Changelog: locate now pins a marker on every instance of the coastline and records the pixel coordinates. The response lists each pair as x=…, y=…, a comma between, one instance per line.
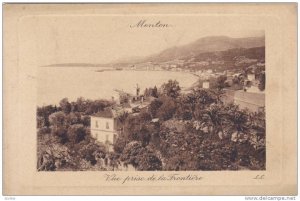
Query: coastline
x=101, y=85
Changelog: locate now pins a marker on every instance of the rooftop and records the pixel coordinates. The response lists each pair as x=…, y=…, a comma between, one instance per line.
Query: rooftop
x=106, y=113
x=254, y=98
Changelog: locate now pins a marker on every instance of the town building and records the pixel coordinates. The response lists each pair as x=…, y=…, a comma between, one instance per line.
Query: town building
x=251, y=84
x=205, y=85
x=209, y=71
x=203, y=63
x=254, y=102
x=251, y=76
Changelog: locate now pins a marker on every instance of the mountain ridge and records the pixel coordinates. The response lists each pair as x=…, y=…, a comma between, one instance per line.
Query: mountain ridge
x=197, y=47
x=206, y=44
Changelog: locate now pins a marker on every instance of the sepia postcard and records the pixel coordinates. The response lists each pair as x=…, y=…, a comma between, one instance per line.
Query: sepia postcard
x=150, y=99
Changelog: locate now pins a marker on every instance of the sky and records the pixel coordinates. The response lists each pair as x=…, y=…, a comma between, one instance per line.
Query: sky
x=104, y=39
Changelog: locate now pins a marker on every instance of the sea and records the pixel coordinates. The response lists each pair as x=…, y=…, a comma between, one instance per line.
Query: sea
x=56, y=83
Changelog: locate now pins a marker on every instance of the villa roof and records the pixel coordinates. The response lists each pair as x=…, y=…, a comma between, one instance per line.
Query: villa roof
x=106, y=113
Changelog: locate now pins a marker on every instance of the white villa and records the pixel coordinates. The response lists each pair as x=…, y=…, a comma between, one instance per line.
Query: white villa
x=104, y=127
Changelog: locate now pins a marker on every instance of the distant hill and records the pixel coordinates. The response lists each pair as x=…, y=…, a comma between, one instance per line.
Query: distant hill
x=230, y=55
x=201, y=49
x=206, y=44
x=238, y=58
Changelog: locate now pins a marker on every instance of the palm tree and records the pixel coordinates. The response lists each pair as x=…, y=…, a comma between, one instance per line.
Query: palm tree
x=121, y=118
x=214, y=118
x=237, y=121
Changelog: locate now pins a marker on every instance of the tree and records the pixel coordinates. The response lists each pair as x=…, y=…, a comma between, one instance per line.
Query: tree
x=171, y=89
x=65, y=106
x=142, y=158
x=57, y=119
x=262, y=81
x=144, y=117
x=61, y=133
x=76, y=133
x=43, y=115
x=122, y=118
x=148, y=160
x=214, y=117
x=144, y=136
x=86, y=120
x=153, y=107
x=73, y=118
x=184, y=109
x=131, y=152
x=193, y=104
x=81, y=104
x=131, y=128
x=120, y=144
x=40, y=122
x=146, y=92
x=220, y=83
x=203, y=96
x=167, y=109
x=180, y=148
x=89, y=150
x=96, y=106
x=237, y=121
x=58, y=126
x=154, y=92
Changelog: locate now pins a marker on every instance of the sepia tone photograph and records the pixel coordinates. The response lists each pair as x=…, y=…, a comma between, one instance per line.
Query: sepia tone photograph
x=163, y=102
x=150, y=99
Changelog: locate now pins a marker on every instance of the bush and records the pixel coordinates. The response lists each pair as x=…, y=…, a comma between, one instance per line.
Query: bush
x=44, y=130
x=76, y=133
x=167, y=109
x=142, y=158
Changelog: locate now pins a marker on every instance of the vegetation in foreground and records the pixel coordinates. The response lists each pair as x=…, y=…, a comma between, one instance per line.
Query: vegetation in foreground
x=177, y=131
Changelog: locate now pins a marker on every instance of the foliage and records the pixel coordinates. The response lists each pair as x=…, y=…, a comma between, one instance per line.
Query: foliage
x=43, y=115
x=44, y=130
x=262, y=81
x=171, y=88
x=142, y=158
x=76, y=133
x=221, y=82
x=64, y=141
x=153, y=107
x=65, y=106
x=167, y=109
x=192, y=131
x=151, y=92
x=120, y=144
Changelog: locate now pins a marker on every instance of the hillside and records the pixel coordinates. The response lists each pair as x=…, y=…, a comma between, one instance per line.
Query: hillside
x=203, y=49
x=207, y=44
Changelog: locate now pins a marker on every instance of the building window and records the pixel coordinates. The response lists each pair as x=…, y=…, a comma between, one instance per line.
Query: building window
x=107, y=125
x=97, y=136
x=106, y=137
x=97, y=126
